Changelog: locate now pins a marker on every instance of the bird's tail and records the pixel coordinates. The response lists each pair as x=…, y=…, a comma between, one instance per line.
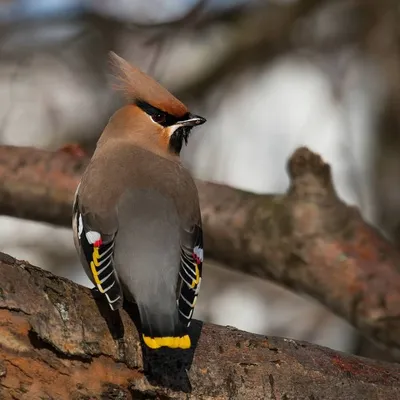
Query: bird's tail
x=163, y=330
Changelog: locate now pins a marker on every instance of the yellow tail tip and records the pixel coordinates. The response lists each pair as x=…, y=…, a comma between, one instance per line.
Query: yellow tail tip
x=182, y=342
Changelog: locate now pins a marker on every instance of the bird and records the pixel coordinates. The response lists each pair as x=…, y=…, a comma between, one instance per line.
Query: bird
x=136, y=217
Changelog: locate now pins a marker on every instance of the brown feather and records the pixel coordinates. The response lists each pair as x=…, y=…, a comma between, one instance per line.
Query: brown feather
x=136, y=85
x=131, y=124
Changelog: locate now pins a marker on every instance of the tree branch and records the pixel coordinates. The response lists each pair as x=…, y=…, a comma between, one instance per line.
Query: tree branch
x=55, y=343
x=307, y=240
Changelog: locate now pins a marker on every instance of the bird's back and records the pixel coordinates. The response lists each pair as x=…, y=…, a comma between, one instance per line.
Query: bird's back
x=136, y=170
x=147, y=249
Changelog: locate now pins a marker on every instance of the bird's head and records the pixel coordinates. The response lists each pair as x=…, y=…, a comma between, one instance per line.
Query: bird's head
x=153, y=118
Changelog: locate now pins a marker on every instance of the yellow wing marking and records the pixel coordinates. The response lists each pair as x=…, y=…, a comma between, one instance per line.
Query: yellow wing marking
x=96, y=255
x=93, y=265
x=197, y=280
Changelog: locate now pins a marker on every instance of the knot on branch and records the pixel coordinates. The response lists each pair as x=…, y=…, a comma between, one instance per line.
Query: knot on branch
x=310, y=176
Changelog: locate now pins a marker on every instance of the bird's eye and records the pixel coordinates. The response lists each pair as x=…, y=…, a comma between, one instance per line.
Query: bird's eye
x=159, y=118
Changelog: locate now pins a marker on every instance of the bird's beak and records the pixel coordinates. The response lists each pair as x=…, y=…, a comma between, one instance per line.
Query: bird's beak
x=192, y=120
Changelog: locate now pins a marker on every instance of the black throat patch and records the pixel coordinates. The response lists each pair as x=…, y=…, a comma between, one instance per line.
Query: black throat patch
x=177, y=138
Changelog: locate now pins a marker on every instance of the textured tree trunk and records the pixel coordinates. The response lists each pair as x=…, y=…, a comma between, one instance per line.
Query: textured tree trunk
x=56, y=344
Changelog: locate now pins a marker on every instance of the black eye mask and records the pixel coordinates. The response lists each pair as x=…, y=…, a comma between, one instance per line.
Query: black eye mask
x=164, y=119
x=160, y=117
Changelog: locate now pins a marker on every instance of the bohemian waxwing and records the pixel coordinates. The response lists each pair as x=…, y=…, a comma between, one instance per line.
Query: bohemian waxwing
x=136, y=217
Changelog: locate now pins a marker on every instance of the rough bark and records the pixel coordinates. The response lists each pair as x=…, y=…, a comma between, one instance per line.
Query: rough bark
x=55, y=344
x=307, y=239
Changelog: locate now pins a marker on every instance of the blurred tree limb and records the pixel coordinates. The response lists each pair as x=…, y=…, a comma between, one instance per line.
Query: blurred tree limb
x=55, y=343
x=307, y=239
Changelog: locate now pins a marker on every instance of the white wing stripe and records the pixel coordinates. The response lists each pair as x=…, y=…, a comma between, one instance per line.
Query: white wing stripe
x=103, y=280
x=107, y=289
x=187, y=283
x=103, y=254
x=105, y=259
x=112, y=301
x=190, y=268
x=185, y=300
x=186, y=316
x=104, y=268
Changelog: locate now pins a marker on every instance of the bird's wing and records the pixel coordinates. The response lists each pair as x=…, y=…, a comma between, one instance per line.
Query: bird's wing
x=190, y=272
x=96, y=250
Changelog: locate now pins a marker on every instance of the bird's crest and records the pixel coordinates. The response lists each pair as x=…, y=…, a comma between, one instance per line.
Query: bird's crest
x=136, y=85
